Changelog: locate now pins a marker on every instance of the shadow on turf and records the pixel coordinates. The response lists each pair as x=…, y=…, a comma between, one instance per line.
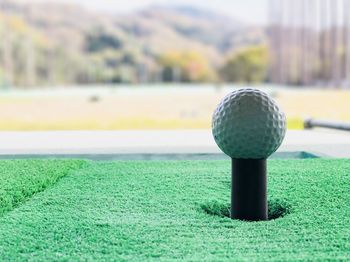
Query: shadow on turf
x=277, y=209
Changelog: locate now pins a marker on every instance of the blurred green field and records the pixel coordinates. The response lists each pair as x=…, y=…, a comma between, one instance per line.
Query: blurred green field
x=120, y=124
x=151, y=108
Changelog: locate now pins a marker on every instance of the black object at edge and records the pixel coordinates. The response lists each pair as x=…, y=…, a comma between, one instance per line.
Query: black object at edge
x=311, y=123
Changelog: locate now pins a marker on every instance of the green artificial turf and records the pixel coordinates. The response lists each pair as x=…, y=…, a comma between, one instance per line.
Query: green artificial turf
x=20, y=179
x=168, y=210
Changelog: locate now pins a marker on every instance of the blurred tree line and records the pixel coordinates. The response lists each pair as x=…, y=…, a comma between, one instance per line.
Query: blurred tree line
x=30, y=58
x=248, y=65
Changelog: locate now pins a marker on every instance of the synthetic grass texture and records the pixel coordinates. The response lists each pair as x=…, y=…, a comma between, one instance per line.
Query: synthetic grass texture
x=20, y=179
x=175, y=210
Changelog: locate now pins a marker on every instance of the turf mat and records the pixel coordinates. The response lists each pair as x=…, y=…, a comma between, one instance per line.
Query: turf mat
x=20, y=179
x=158, y=210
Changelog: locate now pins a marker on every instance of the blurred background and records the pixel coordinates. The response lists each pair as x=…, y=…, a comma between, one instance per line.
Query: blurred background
x=161, y=64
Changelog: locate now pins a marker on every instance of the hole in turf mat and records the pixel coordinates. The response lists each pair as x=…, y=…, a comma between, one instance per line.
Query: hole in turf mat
x=276, y=209
x=216, y=209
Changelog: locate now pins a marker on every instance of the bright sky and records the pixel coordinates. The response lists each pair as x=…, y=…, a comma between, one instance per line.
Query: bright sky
x=251, y=11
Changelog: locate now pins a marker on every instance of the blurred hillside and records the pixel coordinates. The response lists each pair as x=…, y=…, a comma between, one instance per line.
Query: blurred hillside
x=60, y=44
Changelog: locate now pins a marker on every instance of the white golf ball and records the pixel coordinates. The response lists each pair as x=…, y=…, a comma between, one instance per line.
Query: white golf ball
x=248, y=124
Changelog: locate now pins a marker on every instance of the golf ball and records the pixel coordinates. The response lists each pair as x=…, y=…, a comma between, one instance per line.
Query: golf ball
x=248, y=124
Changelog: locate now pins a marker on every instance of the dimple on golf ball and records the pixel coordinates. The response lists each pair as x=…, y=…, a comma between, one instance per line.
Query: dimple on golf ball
x=248, y=124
